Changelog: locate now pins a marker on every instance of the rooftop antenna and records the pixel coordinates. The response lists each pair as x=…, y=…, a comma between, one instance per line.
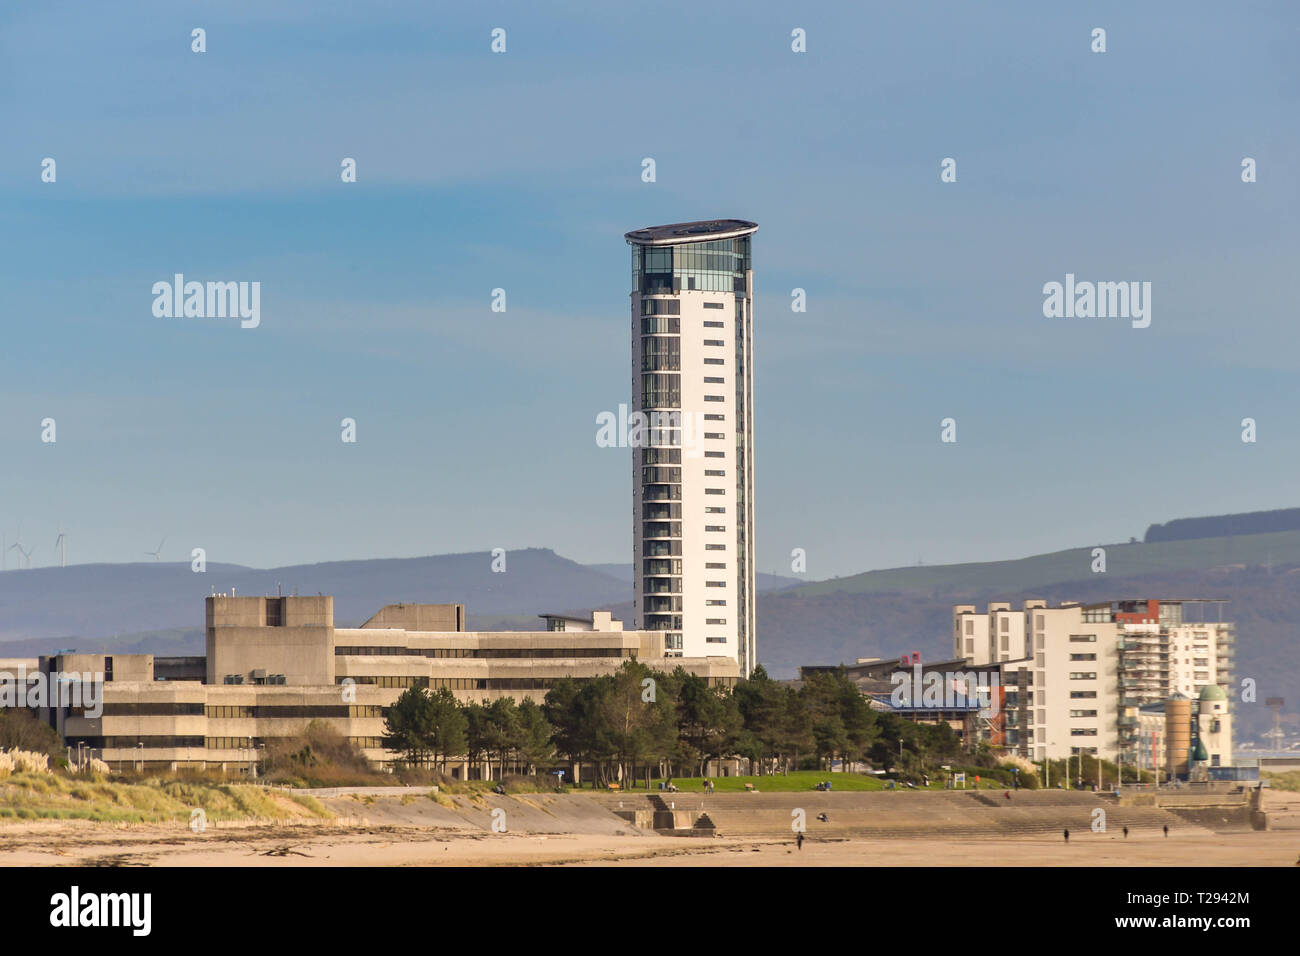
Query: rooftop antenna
x=61, y=544
x=157, y=555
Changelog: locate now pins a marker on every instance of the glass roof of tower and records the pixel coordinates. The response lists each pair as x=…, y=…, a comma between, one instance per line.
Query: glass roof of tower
x=701, y=231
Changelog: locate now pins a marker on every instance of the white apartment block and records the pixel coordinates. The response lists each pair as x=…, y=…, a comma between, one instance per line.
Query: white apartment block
x=1076, y=674
x=692, y=360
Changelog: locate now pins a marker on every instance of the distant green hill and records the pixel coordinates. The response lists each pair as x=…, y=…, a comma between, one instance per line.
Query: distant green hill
x=1059, y=567
x=1222, y=526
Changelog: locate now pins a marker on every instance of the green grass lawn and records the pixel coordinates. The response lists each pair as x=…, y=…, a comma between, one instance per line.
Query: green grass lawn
x=785, y=783
x=807, y=779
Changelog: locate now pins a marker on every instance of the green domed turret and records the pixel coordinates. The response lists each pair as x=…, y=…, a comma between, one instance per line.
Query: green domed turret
x=1213, y=692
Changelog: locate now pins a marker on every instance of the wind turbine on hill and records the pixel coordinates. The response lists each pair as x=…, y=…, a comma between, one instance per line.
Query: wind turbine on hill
x=28, y=554
x=61, y=545
x=18, y=546
x=157, y=555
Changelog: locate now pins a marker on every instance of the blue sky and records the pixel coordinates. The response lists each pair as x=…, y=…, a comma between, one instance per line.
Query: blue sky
x=522, y=171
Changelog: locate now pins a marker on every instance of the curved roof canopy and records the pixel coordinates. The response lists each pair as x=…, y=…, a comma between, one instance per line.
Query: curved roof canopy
x=702, y=231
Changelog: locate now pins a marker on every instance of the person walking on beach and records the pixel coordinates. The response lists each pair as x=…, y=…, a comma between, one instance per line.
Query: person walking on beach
x=798, y=839
x=1067, y=836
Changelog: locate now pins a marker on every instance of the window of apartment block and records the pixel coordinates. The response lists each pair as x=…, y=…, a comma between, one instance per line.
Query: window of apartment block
x=970, y=626
x=1006, y=642
x=1006, y=624
x=1083, y=638
x=970, y=647
x=1041, y=641
x=1083, y=657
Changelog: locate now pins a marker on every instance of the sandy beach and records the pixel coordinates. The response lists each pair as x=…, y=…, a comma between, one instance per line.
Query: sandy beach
x=82, y=844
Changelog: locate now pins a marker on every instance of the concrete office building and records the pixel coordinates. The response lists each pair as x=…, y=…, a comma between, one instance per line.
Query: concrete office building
x=273, y=664
x=692, y=365
x=1078, y=675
